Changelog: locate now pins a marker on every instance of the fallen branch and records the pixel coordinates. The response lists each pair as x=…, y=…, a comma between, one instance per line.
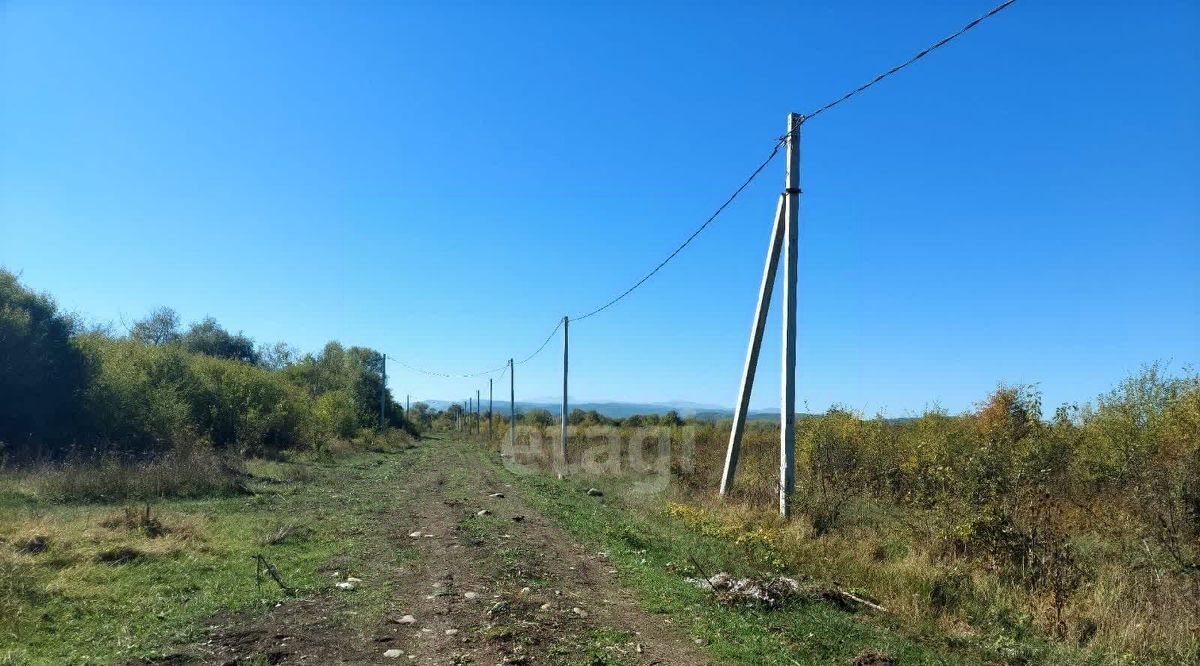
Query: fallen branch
x=702, y=572
x=868, y=604
x=261, y=565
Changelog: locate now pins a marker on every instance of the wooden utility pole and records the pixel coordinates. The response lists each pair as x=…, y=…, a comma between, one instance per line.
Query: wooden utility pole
x=785, y=242
x=512, y=408
x=477, y=419
x=562, y=445
x=491, y=416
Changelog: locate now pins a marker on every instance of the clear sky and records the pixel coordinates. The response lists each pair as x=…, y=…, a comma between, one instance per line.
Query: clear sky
x=444, y=180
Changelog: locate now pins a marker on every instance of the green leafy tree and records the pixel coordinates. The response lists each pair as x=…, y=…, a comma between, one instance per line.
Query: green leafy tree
x=211, y=339
x=160, y=327
x=42, y=374
x=277, y=356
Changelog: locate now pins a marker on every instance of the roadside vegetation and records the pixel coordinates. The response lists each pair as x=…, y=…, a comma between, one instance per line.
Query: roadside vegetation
x=73, y=392
x=142, y=472
x=1069, y=540
x=124, y=581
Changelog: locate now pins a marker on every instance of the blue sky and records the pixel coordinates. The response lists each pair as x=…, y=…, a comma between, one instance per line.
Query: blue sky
x=445, y=180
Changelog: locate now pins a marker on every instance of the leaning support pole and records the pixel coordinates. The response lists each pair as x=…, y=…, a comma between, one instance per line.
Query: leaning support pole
x=756, y=335
x=787, y=406
x=562, y=445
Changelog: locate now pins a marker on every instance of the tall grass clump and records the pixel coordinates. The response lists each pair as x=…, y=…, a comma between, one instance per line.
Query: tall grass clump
x=193, y=471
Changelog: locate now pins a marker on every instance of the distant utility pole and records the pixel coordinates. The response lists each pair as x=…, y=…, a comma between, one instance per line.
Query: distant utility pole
x=785, y=241
x=383, y=392
x=562, y=446
x=512, y=408
x=491, y=418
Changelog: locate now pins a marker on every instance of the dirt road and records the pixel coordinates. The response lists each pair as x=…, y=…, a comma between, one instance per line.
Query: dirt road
x=482, y=576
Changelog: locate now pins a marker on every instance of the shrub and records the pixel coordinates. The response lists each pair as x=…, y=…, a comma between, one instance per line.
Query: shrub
x=245, y=405
x=42, y=374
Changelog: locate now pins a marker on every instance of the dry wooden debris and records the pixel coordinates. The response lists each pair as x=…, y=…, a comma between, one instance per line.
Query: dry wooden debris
x=775, y=592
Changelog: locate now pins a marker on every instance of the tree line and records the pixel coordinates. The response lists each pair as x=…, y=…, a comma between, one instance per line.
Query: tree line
x=66, y=387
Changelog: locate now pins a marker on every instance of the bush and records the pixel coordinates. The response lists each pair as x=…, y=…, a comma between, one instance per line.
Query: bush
x=42, y=374
x=248, y=406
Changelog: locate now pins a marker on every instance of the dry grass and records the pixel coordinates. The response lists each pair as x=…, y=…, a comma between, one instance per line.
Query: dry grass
x=1132, y=606
x=286, y=533
x=189, y=472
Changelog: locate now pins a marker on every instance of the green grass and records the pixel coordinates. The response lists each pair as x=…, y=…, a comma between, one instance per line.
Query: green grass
x=603, y=648
x=63, y=605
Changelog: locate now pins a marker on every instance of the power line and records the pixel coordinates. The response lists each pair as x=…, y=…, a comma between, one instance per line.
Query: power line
x=702, y=227
x=754, y=174
x=937, y=45
x=780, y=141
x=467, y=375
x=448, y=375
x=539, y=349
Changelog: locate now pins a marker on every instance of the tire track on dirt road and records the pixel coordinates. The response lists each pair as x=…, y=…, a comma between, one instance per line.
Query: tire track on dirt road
x=501, y=583
x=474, y=575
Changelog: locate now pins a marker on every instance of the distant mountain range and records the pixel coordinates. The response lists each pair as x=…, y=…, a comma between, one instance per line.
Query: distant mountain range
x=620, y=410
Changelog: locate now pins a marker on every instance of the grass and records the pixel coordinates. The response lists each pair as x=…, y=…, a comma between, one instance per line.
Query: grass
x=104, y=581
x=195, y=471
x=108, y=582
x=1128, y=605
x=655, y=545
x=604, y=647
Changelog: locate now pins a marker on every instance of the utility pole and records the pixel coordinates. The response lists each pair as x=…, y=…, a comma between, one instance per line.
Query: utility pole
x=470, y=415
x=791, y=254
x=477, y=419
x=512, y=408
x=785, y=242
x=562, y=446
x=382, y=391
x=491, y=417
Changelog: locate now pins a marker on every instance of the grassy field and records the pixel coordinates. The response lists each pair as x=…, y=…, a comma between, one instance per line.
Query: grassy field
x=97, y=582
x=657, y=545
